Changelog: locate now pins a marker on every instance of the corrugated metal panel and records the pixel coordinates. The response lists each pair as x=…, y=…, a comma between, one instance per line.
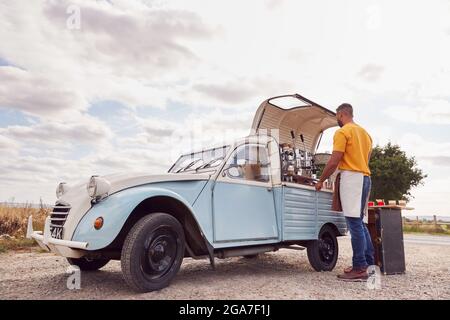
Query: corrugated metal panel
x=306, y=211
x=299, y=214
x=326, y=215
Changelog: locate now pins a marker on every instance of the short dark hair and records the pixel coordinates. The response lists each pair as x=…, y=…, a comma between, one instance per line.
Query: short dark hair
x=346, y=108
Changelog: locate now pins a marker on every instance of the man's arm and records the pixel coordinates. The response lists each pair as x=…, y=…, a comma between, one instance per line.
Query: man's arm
x=331, y=167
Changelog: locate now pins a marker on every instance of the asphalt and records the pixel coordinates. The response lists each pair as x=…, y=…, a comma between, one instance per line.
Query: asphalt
x=427, y=239
x=423, y=239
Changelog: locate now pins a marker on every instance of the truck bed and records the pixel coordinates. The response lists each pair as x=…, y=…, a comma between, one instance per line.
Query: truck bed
x=305, y=211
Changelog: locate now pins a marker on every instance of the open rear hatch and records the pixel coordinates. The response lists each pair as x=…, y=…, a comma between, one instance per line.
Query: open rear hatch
x=293, y=114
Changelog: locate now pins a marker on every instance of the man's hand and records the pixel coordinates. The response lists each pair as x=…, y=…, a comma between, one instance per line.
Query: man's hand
x=319, y=186
x=331, y=167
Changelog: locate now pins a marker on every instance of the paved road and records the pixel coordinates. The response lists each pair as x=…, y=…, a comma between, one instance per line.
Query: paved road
x=423, y=239
x=427, y=239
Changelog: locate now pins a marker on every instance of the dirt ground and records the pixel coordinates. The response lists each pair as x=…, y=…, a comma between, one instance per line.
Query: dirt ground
x=285, y=274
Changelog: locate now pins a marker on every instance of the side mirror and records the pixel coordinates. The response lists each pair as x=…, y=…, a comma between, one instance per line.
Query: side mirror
x=233, y=172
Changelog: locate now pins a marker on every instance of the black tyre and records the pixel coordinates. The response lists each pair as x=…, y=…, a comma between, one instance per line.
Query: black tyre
x=153, y=252
x=87, y=264
x=323, y=253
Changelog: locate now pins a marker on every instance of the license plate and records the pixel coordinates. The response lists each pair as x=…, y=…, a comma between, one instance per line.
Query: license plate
x=56, y=232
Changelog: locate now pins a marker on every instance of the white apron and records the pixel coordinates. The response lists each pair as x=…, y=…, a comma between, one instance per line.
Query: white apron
x=350, y=190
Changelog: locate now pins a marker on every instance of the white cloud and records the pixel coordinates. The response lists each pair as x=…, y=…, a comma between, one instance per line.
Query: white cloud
x=427, y=111
x=371, y=72
x=431, y=198
x=440, y=161
x=201, y=129
x=418, y=146
x=156, y=129
x=63, y=133
x=228, y=92
x=144, y=36
x=37, y=95
x=7, y=144
x=118, y=54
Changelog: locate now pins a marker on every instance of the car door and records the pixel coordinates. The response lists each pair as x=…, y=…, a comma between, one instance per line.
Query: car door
x=243, y=200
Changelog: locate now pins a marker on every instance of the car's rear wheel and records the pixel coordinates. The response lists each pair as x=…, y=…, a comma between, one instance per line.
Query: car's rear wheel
x=86, y=264
x=153, y=252
x=323, y=253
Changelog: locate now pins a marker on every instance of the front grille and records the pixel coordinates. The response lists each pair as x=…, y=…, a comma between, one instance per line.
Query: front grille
x=59, y=215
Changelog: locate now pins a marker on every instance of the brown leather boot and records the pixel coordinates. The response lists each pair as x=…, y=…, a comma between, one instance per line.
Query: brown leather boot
x=354, y=275
x=350, y=268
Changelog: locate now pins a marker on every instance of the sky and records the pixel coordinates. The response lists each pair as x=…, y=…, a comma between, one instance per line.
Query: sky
x=98, y=87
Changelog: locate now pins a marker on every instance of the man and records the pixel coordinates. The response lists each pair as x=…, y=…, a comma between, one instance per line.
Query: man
x=352, y=147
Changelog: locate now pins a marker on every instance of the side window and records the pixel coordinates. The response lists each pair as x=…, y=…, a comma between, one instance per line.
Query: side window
x=249, y=162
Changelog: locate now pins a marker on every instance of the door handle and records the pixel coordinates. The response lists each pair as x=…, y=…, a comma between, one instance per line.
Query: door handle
x=269, y=189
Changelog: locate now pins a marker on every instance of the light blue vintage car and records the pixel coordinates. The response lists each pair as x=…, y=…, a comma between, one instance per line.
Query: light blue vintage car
x=253, y=196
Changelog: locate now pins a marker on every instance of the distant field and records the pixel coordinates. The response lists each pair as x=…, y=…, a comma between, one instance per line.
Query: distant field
x=428, y=228
x=13, y=225
x=412, y=217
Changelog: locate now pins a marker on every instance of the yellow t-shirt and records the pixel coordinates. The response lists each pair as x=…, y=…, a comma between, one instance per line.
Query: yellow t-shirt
x=356, y=144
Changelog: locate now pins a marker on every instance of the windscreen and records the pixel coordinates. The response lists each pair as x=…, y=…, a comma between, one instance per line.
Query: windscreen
x=202, y=160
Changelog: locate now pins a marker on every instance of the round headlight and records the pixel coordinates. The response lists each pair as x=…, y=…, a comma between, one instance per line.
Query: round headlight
x=98, y=187
x=61, y=189
x=92, y=187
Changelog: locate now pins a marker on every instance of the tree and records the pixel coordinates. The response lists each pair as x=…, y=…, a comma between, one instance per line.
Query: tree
x=394, y=174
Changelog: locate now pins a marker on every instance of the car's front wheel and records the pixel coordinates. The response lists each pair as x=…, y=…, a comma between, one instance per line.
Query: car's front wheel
x=323, y=253
x=86, y=264
x=153, y=252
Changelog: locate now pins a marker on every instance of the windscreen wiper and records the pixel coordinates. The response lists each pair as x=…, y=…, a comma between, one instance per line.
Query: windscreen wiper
x=189, y=165
x=208, y=164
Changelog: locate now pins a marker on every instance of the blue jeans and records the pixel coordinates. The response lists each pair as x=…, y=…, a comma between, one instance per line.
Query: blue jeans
x=362, y=246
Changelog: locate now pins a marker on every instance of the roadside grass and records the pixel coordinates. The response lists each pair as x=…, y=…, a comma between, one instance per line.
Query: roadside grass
x=13, y=226
x=432, y=229
x=17, y=244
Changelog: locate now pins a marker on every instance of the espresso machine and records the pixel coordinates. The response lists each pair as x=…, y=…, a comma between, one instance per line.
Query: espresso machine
x=297, y=165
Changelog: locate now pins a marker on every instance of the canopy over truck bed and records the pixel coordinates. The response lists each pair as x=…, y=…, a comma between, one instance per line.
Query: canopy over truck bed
x=294, y=113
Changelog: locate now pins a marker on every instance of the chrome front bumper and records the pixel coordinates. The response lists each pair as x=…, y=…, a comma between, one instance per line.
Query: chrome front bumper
x=47, y=242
